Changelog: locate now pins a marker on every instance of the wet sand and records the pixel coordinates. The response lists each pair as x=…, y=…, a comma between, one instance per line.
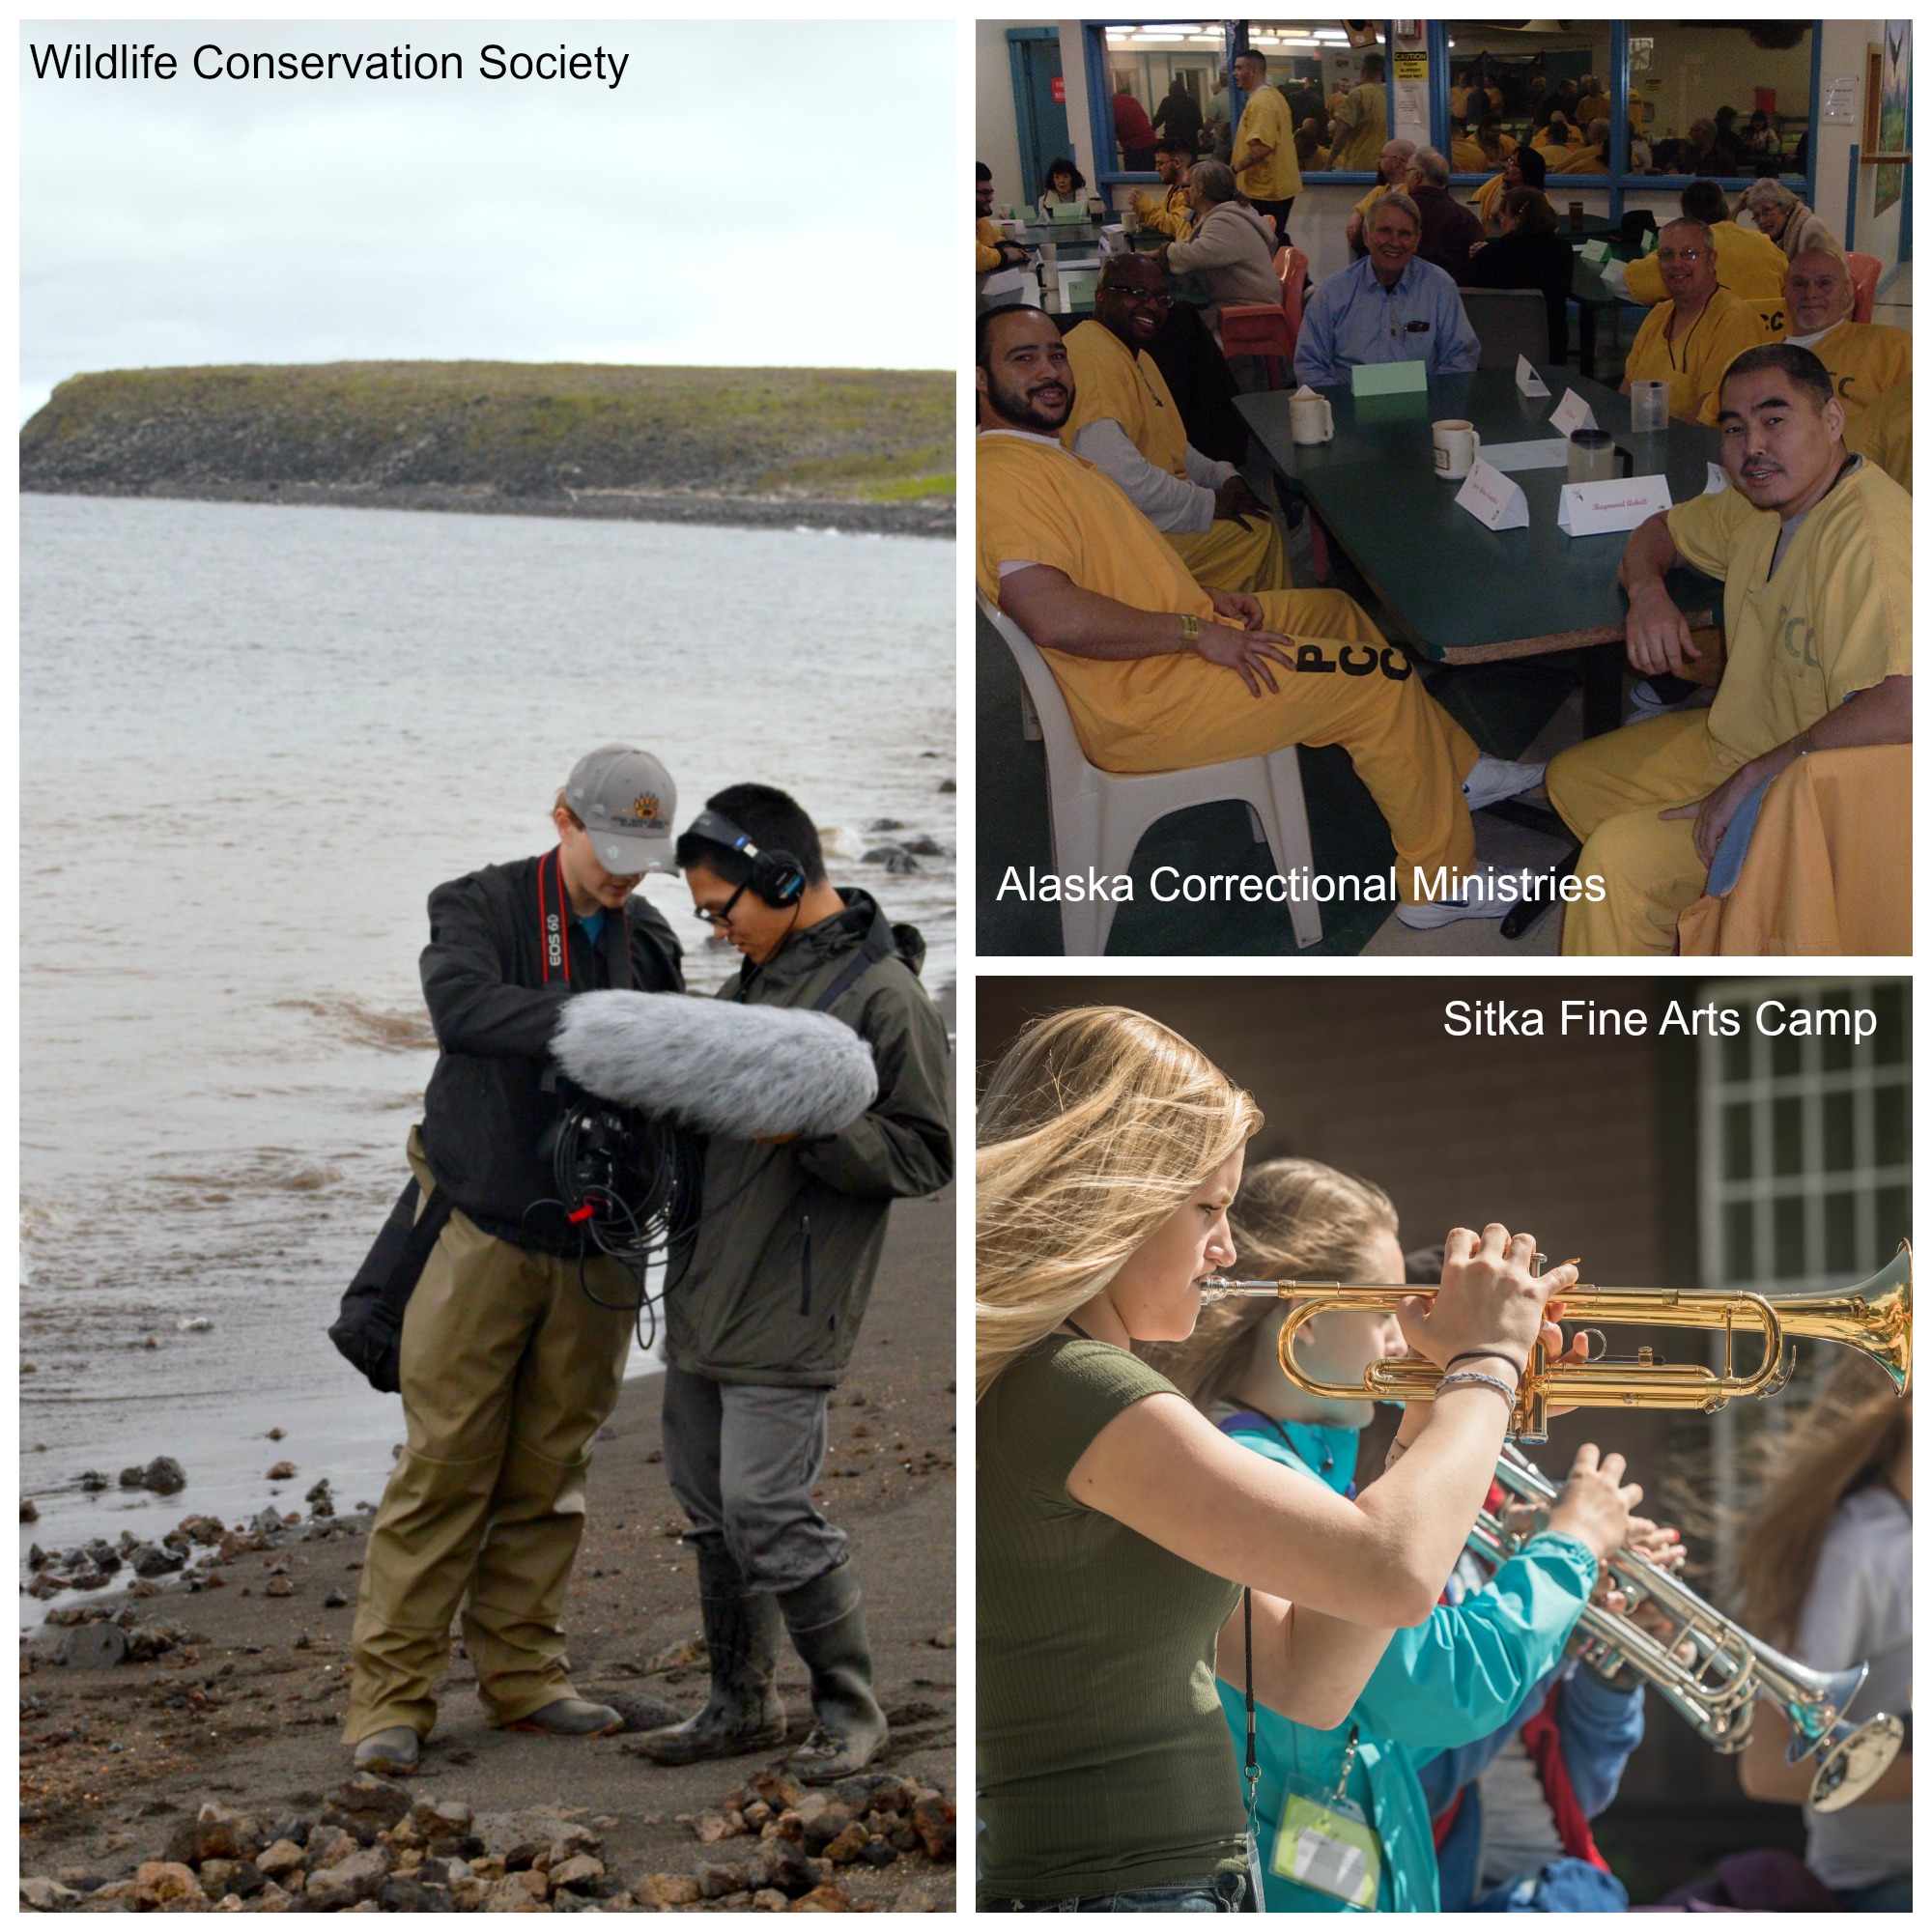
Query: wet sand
x=249, y=1711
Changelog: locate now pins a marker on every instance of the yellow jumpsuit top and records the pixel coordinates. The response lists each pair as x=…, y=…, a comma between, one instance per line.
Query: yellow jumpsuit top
x=986, y=238
x=1172, y=214
x=1110, y=382
x=1864, y=359
x=1363, y=130
x=1883, y=432
x=1695, y=362
x=1835, y=620
x=1268, y=118
x=1750, y=263
x=1582, y=161
x=1489, y=199
x=1466, y=156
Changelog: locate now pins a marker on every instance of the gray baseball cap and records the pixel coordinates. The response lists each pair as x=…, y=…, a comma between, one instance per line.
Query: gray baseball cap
x=626, y=801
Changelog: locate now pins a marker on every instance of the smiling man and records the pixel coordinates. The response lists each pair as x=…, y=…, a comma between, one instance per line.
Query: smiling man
x=1690, y=338
x=1160, y=672
x=1814, y=547
x=1391, y=306
x=1124, y=421
x=514, y=1340
x=761, y=1324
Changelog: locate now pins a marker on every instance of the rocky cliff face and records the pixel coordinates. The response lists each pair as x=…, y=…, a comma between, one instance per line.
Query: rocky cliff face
x=870, y=447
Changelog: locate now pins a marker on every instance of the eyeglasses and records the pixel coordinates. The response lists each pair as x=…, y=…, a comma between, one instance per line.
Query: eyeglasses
x=1150, y=297
x=722, y=916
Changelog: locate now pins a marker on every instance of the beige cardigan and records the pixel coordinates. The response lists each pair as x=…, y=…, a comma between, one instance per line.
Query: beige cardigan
x=1232, y=253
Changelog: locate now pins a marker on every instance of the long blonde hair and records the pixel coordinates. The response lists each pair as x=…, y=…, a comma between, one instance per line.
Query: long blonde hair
x=1846, y=1440
x=1293, y=1220
x=1096, y=1126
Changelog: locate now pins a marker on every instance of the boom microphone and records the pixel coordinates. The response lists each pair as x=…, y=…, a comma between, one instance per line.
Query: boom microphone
x=714, y=1066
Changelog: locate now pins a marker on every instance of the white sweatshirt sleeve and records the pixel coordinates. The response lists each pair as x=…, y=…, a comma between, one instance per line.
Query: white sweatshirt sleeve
x=1172, y=504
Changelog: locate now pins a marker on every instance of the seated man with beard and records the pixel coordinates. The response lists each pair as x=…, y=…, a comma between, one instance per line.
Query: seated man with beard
x=1160, y=673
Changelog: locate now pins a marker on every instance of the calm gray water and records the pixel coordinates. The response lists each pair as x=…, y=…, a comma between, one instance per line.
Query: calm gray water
x=252, y=739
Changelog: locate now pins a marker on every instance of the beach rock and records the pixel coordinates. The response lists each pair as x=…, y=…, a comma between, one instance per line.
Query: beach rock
x=720, y=1881
x=575, y=1873
x=887, y=825
x=133, y=1478
x=360, y=1876
x=321, y=1499
x=675, y=1888
x=642, y=1712
x=709, y=1826
x=937, y=1824
x=925, y=846
x=822, y=1821
x=160, y=1881
x=281, y=1858
x=949, y=785
x=281, y=1472
x=280, y=1586
x=28, y=1512
x=916, y=1898
x=892, y=859
x=878, y=1851
x=408, y=1892
x=276, y=1435
x=780, y=1865
x=367, y=1806
x=150, y=1559
x=92, y=1481
x=330, y=1845
x=848, y=1844
x=44, y=1894
x=92, y=1647
x=823, y=1898
x=770, y=1901
x=164, y=1476
x=215, y=1832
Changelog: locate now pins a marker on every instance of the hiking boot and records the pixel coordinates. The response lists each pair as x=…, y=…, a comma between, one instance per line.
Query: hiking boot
x=827, y=1626
x=571, y=1717
x=395, y=1750
x=744, y=1712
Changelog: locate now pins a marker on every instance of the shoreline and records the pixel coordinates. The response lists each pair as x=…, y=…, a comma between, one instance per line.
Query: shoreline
x=924, y=517
x=244, y=1703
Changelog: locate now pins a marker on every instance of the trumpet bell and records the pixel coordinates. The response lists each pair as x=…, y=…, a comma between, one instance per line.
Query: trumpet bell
x=1874, y=1317
x=1851, y=1764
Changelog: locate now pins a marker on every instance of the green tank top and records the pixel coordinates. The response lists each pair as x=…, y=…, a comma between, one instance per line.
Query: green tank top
x=1104, y=1762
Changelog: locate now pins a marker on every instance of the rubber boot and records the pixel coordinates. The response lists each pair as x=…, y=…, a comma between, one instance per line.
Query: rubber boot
x=827, y=1626
x=743, y=1713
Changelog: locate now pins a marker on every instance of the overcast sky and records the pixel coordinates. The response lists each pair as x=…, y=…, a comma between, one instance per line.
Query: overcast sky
x=766, y=192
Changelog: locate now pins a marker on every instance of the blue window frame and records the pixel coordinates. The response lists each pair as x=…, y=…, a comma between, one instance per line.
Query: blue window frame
x=1620, y=182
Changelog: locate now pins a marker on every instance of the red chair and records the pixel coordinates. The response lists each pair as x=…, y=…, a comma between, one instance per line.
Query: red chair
x=1865, y=271
x=1264, y=330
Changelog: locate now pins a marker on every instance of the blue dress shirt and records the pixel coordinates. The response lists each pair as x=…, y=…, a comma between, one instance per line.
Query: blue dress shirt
x=1350, y=317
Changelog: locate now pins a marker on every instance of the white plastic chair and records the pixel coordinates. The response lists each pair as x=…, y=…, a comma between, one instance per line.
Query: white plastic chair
x=1096, y=818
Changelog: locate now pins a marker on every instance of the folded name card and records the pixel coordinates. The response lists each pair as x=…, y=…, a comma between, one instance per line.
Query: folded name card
x=1621, y=503
x=1596, y=252
x=1527, y=379
x=1570, y=414
x=1389, y=379
x=1492, y=499
x=1716, y=482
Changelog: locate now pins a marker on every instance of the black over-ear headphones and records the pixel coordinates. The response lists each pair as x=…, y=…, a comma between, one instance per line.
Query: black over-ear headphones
x=777, y=877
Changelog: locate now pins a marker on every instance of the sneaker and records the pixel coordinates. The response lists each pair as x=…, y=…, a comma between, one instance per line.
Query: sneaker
x=1477, y=905
x=395, y=1750
x=571, y=1717
x=1652, y=696
x=1492, y=780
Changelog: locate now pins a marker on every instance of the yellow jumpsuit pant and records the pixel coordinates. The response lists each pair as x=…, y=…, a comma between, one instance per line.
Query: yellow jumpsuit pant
x=1229, y=556
x=509, y=1370
x=1351, y=690
x=1609, y=791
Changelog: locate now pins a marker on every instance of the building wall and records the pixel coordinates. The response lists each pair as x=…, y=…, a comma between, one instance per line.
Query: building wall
x=996, y=125
x=1844, y=52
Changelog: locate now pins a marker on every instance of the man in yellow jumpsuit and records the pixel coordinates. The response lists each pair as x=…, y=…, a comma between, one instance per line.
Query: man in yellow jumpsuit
x=991, y=250
x=1362, y=118
x=1172, y=214
x=1814, y=546
x=1862, y=359
x=1883, y=432
x=1125, y=422
x=1749, y=264
x=1690, y=340
x=1266, y=167
x=1160, y=673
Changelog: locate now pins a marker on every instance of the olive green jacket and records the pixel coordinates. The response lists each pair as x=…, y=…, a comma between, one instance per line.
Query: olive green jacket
x=777, y=1281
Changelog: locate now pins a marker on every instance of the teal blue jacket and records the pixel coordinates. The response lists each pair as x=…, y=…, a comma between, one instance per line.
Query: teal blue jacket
x=1449, y=1681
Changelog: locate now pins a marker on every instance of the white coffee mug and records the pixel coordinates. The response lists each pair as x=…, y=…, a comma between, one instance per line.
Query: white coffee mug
x=1456, y=444
x=1311, y=419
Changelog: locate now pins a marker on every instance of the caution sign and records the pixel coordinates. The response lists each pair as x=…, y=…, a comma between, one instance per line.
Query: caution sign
x=1060, y=89
x=1411, y=66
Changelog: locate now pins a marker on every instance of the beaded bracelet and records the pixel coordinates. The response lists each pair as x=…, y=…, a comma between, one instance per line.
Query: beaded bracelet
x=1471, y=1376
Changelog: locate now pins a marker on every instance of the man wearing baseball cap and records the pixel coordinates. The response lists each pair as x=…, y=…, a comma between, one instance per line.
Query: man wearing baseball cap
x=510, y=1363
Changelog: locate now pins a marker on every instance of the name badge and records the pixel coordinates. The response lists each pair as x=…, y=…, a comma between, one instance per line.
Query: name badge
x=1331, y=1848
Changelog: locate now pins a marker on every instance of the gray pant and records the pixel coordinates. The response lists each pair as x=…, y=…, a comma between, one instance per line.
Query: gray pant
x=742, y=1463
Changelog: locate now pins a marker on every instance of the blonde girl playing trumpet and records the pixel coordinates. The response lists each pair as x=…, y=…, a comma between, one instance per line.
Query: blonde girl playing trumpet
x=1118, y=1527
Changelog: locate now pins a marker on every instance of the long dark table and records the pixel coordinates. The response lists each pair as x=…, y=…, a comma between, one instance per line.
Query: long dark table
x=1452, y=590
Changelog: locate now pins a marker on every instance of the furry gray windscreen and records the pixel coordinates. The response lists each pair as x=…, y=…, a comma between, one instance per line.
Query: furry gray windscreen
x=746, y=1072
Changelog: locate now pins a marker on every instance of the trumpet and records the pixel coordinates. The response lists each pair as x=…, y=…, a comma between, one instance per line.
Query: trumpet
x=1874, y=1317
x=1710, y=1670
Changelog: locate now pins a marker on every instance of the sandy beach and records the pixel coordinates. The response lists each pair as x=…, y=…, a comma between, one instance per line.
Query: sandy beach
x=240, y=1701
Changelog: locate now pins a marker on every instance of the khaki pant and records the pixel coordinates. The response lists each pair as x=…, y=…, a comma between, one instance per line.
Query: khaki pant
x=509, y=1370
x=1609, y=791
x=1228, y=555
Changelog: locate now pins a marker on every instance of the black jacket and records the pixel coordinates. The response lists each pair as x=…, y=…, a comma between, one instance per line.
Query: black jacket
x=483, y=980
x=784, y=1257
x=1519, y=261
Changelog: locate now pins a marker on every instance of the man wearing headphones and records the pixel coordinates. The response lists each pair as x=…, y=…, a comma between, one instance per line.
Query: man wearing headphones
x=515, y=1338
x=761, y=1322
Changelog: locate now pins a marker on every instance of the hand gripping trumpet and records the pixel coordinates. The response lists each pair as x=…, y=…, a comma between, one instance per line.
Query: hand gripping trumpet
x=1875, y=1317
x=1711, y=1670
